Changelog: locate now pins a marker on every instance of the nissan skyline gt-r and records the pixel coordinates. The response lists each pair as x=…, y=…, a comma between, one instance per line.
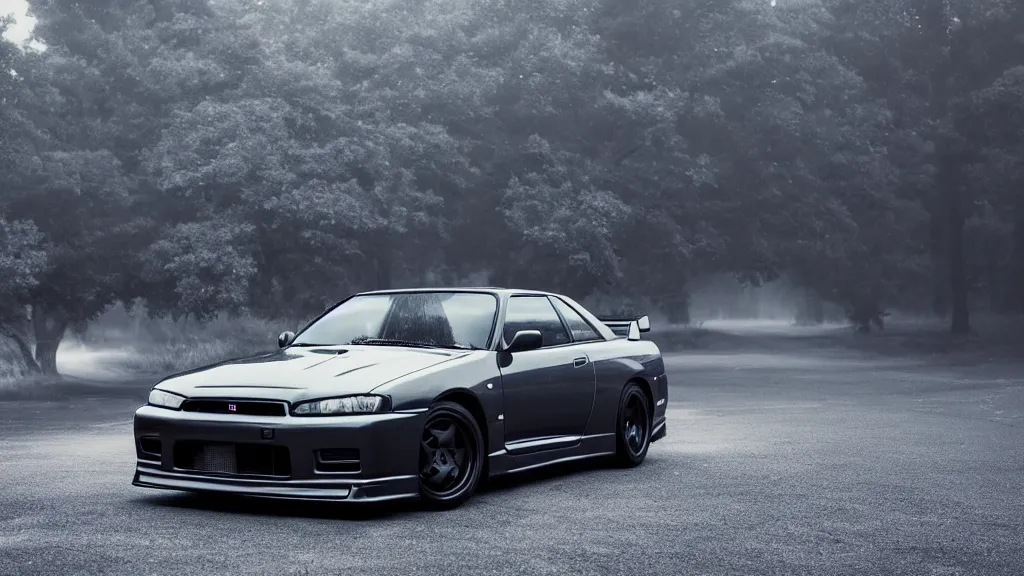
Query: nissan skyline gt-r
x=409, y=394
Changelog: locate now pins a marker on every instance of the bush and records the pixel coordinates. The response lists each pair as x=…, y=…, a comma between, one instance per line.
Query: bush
x=12, y=368
x=15, y=378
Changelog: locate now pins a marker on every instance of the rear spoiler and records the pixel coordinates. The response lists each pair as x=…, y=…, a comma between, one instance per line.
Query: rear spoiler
x=628, y=327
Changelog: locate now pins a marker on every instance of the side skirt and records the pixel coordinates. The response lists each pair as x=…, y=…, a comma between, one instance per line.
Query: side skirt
x=660, y=431
x=502, y=462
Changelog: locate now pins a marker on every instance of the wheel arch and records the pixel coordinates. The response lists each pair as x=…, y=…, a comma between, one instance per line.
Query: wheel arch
x=470, y=402
x=645, y=386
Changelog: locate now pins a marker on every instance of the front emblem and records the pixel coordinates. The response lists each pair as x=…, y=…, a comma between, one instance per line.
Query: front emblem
x=232, y=408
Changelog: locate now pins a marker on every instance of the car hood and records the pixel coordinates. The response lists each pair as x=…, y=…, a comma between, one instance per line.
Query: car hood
x=306, y=373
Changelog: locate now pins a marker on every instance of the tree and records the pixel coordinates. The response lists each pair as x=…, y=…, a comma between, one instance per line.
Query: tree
x=22, y=260
x=77, y=182
x=568, y=225
x=22, y=253
x=88, y=232
x=268, y=156
x=924, y=58
x=993, y=120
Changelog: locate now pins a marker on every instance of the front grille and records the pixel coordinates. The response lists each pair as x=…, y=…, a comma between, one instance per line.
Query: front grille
x=247, y=407
x=232, y=459
x=337, y=460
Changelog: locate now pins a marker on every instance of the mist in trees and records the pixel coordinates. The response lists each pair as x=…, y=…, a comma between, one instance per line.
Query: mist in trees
x=271, y=156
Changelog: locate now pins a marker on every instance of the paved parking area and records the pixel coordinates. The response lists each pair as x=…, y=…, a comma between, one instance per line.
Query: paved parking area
x=777, y=462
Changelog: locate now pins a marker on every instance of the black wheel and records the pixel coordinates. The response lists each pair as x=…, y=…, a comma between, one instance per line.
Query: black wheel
x=451, y=456
x=633, y=429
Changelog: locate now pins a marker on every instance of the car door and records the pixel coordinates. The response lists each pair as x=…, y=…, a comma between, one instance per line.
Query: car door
x=548, y=392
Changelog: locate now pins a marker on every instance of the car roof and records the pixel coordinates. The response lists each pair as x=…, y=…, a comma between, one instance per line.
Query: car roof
x=488, y=289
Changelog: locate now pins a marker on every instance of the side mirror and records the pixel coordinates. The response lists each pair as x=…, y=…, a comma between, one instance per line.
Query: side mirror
x=525, y=340
x=285, y=339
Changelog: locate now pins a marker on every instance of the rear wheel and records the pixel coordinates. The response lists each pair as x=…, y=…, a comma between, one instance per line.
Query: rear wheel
x=633, y=428
x=451, y=456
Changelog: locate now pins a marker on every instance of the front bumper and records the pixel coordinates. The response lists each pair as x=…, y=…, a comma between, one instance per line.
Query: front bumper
x=386, y=469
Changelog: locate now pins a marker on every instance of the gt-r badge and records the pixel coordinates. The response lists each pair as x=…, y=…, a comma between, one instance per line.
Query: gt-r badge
x=232, y=407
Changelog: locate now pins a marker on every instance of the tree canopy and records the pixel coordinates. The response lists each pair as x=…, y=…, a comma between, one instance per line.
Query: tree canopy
x=272, y=156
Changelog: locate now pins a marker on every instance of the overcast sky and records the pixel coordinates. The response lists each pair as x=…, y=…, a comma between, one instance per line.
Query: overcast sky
x=21, y=29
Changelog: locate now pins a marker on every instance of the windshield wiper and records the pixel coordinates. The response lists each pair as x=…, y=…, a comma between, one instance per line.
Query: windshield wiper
x=392, y=342
x=309, y=345
x=411, y=344
x=461, y=347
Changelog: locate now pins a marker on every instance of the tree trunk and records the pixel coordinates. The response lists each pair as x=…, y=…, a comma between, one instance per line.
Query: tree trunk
x=46, y=356
x=811, y=310
x=952, y=154
x=865, y=312
x=49, y=331
x=677, y=308
x=956, y=263
x=25, y=349
x=940, y=272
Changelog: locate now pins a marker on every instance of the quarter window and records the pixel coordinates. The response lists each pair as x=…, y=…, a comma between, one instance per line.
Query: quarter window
x=581, y=330
x=534, y=313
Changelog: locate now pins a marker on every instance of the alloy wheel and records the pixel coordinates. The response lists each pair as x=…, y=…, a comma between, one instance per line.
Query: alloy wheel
x=448, y=456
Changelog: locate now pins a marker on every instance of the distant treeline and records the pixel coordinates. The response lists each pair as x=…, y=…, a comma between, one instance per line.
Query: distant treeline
x=270, y=156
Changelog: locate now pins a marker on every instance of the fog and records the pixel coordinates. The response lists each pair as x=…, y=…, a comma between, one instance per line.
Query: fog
x=178, y=173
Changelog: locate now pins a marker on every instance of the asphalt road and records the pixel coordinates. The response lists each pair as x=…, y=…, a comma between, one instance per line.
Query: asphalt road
x=781, y=458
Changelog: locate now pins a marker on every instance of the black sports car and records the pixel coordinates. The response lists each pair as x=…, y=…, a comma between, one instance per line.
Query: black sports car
x=409, y=393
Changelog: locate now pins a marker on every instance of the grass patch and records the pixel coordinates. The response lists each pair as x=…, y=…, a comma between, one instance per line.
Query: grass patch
x=162, y=346
x=12, y=369
x=16, y=381
x=179, y=355
x=991, y=337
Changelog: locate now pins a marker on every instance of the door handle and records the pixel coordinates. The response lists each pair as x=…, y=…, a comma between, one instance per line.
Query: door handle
x=579, y=362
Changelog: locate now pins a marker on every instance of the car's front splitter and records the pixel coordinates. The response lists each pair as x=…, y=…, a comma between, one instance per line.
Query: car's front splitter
x=361, y=490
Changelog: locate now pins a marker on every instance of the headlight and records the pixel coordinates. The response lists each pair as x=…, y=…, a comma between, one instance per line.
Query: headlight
x=165, y=399
x=336, y=406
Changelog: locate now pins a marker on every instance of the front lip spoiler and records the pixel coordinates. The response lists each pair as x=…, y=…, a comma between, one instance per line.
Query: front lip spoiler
x=361, y=490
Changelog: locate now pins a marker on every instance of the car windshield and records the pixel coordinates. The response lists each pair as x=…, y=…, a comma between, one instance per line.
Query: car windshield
x=434, y=319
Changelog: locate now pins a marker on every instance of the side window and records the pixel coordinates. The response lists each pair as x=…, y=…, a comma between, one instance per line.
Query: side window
x=581, y=331
x=534, y=313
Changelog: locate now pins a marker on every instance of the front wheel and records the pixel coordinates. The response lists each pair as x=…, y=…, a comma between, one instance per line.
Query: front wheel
x=451, y=456
x=633, y=428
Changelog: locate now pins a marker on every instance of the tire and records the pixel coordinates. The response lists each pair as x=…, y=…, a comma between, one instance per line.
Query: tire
x=632, y=427
x=451, y=456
